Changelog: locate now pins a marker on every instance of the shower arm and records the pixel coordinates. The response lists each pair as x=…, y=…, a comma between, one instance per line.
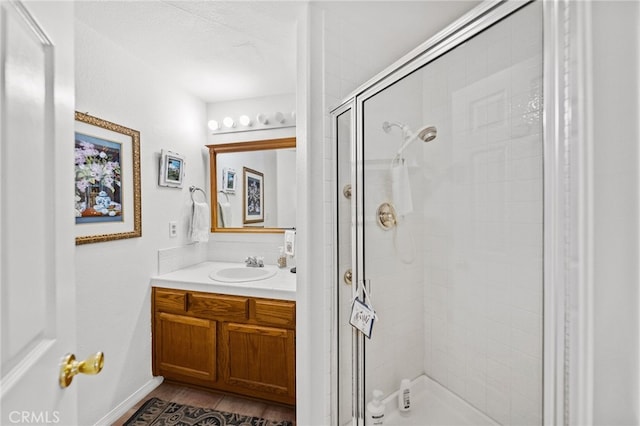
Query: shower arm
x=425, y=133
x=407, y=141
x=406, y=134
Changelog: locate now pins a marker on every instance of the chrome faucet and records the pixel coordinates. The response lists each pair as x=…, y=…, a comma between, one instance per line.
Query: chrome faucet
x=254, y=262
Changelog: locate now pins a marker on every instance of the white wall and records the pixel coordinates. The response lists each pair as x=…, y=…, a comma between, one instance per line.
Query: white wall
x=287, y=188
x=113, y=277
x=615, y=51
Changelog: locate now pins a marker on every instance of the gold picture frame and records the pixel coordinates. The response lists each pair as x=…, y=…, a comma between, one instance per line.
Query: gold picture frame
x=107, y=181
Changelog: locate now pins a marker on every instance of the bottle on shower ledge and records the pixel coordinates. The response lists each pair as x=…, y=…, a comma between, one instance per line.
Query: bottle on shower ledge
x=404, y=397
x=375, y=409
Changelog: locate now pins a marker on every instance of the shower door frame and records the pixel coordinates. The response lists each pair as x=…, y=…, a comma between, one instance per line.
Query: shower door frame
x=357, y=338
x=567, y=353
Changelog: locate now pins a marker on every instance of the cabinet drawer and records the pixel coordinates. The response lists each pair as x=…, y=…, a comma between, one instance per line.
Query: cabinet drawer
x=275, y=312
x=219, y=306
x=169, y=300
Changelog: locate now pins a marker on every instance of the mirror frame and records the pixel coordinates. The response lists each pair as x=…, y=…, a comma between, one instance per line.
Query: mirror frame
x=228, y=148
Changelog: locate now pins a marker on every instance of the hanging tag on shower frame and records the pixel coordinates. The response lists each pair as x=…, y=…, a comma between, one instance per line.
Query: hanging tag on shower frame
x=362, y=314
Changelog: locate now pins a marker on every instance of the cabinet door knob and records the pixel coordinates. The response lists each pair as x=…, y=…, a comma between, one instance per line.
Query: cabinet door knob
x=70, y=367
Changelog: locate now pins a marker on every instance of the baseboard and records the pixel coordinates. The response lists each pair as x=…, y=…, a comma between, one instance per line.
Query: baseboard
x=131, y=401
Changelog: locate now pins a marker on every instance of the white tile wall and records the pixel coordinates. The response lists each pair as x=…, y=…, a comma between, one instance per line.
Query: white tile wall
x=174, y=258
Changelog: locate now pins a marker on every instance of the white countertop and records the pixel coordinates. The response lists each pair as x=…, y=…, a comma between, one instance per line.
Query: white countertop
x=196, y=278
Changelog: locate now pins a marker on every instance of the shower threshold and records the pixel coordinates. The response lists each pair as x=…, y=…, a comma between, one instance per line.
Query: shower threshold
x=432, y=404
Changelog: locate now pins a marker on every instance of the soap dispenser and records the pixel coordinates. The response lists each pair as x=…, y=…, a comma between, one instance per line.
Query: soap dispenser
x=282, y=259
x=375, y=409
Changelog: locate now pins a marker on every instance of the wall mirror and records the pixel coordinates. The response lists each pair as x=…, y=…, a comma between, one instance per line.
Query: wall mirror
x=255, y=186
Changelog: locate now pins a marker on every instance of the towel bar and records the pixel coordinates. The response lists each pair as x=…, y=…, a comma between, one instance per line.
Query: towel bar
x=193, y=189
x=225, y=195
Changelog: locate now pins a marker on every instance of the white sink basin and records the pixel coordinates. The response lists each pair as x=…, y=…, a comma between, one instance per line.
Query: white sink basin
x=239, y=274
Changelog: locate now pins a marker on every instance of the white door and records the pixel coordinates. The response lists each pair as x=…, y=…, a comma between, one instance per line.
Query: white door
x=37, y=298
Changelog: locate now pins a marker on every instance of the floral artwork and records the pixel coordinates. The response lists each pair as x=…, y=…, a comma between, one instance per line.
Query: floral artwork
x=98, y=180
x=107, y=181
x=253, y=196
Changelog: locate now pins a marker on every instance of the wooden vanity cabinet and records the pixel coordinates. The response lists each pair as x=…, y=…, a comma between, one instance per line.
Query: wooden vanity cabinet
x=185, y=347
x=244, y=345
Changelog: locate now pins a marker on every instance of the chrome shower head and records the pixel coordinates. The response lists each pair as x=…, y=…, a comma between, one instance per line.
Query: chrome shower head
x=427, y=133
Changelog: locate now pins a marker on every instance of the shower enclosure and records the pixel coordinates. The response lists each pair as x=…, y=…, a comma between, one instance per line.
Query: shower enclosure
x=440, y=218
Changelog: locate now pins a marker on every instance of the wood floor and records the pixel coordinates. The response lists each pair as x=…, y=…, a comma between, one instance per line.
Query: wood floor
x=218, y=401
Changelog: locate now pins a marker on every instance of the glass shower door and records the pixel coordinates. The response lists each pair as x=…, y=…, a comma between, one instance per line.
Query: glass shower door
x=450, y=161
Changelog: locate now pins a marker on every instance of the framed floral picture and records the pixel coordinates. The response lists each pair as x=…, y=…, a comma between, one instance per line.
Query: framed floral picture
x=171, y=169
x=253, y=202
x=107, y=181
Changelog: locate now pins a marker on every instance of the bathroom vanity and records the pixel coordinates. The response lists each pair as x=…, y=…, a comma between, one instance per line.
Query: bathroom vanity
x=236, y=336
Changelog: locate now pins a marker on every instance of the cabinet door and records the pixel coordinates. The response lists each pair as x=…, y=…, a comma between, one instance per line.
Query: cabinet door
x=185, y=347
x=260, y=360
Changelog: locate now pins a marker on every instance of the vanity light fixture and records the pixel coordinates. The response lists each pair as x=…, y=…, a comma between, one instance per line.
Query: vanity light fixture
x=245, y=123
x=245, y=120
x=229, y=123
x=213, y=125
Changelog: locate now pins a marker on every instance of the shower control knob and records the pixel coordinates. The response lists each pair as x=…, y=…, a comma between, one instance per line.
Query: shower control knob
x=348, y=277
x=386, y=215
x=346, y=191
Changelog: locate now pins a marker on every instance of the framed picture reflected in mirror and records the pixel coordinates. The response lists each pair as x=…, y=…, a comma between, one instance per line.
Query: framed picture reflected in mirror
x=229, y=180
x=253, y=204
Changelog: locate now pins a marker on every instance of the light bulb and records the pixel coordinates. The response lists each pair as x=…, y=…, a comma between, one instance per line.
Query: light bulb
x=245, y=120
x=213, y=125
x=228, y=122
x=278, y=117
x=262, y=118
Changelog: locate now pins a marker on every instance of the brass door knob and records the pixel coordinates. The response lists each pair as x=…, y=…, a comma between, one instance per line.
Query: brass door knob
x=70, y=367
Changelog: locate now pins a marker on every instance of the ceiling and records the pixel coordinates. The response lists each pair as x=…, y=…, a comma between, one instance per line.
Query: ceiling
x=229, y=50
x=217, y=50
